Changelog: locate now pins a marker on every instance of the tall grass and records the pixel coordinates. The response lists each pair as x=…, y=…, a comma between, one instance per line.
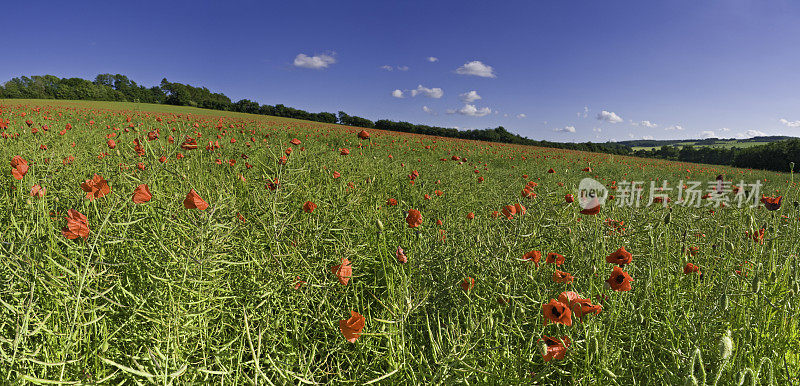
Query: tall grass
x=162, y=294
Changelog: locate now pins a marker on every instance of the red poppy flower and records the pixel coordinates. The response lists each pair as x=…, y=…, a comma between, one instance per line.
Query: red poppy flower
x=309, y=207
x=691, y=268
x=556, y=258
x=188, y=144
x=141, y=194
x=619, y=280
x=343, y=271
x=95, y=188
x=470, y=216
x=551, y=170
x=620, y=257
x=77, y=225
x=591, y=211
x=509, y=211
x=520, y=209
x=111, y=144
x=578, y=305
x=562, y=277
x=554, y=349
x=557, y=312
x=568, y=297
x=295, y=142
x=38, y=191
x=401, y=256
x=772, y=203
x=344, y=152
x=468, y=284
x=193, y=201
x=19, y=167
x=528, y=193
x=756, y=236
x=414, y=218
x=336, y=174
x=569, y=199
x=533, y=256
x=363, y=134
x=391, y=202
x=351, y=328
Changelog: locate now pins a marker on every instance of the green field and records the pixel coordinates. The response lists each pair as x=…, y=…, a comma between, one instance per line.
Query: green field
x=244, y=291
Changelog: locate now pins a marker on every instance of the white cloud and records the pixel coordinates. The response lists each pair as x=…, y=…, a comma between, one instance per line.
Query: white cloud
x=387, y=67
x=647, y=137
x=476, y=68
x=397, y=93
x=597, y=129
x=608, y=117
x=469, y=97
x=584, y=113
x=645, y=124
x=317, y=62
x=707, y=134
x=435, y=92
x=755, y=133
x=789, y=123
x=471, y=110
x=433, y=59
x=724, y=129
x=674, y=127
x=429, y=110
x=521, y=115
x=402, y=68
x=565, y=129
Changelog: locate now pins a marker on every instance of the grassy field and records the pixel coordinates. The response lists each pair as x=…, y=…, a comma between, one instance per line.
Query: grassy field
x=721, y=144
x=255, y=289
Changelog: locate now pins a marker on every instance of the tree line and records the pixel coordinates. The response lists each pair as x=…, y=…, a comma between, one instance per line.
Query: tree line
x=117, y=87
x=774, y=156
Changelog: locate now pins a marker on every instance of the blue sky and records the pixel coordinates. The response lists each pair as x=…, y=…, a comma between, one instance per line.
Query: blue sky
x=556, y=70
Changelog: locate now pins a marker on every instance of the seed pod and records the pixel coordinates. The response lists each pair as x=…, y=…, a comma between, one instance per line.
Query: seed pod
x=609, y=374
x=379, y=224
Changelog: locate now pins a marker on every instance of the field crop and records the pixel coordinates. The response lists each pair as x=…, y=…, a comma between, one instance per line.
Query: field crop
x=155, y=244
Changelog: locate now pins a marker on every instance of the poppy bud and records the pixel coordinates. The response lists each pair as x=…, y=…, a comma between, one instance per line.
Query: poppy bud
x=723, y=302
x=543, y=348
x=755, y=285
x=379, y=223
x=726, y=346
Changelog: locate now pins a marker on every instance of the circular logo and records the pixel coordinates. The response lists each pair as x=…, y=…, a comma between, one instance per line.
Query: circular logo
x=591, y=193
